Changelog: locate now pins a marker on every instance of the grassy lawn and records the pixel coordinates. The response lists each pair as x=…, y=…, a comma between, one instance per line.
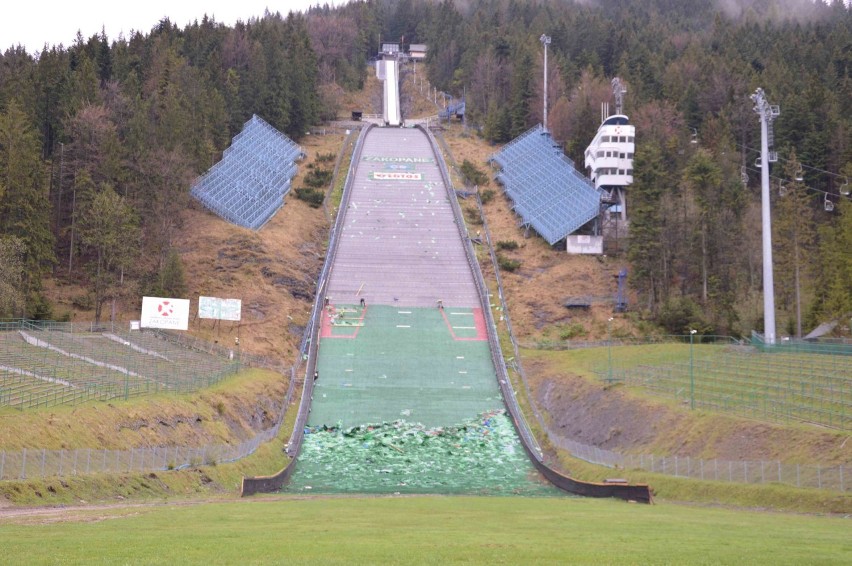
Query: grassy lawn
x=428, y=530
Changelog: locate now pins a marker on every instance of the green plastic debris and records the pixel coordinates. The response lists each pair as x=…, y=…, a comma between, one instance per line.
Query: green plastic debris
x=478, y=456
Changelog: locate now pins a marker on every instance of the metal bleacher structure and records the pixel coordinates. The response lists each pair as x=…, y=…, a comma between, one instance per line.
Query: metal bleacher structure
x=247, y=186
x=546, y=190
x=58, y=364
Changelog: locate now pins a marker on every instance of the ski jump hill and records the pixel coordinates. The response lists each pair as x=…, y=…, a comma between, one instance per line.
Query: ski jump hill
x=406, y=389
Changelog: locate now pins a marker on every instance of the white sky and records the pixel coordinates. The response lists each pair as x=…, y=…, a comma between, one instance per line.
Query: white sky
x=32, y=23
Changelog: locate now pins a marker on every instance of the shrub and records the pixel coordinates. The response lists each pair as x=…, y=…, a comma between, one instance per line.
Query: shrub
x=473, y=216
x=486, y=196
x=572, y=331
x=313, y=197
x=507, y=245
x=325, y=157
x=472, y=174
x=317, y=178
x=507, y=263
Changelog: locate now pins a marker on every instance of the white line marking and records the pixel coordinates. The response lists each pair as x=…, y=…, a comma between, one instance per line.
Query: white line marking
x=462, y=313
x=349, y=370
x=403, y=312
x=403, y=326
x=459, y=357
x=464, y=328
x=462, y=372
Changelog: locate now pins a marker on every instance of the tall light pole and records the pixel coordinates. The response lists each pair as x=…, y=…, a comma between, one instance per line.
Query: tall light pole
x=767, y=114
x=545, y=40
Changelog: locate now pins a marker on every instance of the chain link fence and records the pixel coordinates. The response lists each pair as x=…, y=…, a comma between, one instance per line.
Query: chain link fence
x=754, y=472
x=40, y=463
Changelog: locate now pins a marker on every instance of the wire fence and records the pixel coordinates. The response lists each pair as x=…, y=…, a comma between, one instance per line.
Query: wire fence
x=809, y=382
x=47, y=363
x=837, y=478
x=41, y=463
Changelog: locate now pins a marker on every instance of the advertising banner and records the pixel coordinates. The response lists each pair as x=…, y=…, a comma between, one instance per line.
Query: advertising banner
x=219, y=309
x=159, y=312
x=395, y=176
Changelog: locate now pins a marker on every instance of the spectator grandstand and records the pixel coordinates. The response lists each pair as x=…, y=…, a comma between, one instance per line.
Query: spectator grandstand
x=247, y=186
x=43, y=367
x=546, y=190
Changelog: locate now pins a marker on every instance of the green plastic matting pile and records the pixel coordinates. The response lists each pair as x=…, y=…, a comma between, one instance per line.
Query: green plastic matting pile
x=406, y=401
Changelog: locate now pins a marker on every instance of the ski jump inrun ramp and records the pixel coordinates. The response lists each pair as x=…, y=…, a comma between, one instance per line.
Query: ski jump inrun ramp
x=412, y=394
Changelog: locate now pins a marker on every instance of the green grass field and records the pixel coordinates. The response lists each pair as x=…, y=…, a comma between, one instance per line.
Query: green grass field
x=427, y=530
x=779, y=387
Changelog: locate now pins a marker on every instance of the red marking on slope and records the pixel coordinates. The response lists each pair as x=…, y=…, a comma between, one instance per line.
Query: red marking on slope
x=478, y=321
x=326, y=326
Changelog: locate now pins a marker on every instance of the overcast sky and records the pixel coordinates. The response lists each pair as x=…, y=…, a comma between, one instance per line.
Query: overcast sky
x=32, y=23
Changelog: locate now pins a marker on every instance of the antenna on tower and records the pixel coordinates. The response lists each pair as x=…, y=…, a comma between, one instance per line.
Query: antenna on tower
x=618, y=90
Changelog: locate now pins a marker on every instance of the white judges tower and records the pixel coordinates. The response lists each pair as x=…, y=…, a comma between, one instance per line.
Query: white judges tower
x=609, y=158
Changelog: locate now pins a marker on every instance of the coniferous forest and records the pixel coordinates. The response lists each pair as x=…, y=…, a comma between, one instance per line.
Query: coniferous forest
x=100, y=140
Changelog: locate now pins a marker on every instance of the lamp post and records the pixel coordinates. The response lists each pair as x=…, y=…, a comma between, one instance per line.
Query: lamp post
x=545, y=41
x=691, y=372
x=609, y=345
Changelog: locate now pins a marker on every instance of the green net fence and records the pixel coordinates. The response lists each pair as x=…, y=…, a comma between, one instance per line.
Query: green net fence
x=780, y=384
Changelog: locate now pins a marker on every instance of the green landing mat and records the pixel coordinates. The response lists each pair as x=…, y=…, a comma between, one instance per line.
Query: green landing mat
x=421, y=365
x=407, y=401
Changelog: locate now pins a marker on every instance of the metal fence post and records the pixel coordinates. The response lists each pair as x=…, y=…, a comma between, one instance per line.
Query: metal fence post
x=24, y=465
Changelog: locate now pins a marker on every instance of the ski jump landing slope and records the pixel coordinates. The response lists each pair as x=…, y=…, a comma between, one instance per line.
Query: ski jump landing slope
x=411, y=395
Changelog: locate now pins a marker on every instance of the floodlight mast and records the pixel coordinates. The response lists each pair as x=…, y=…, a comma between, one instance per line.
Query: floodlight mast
x=767, y=114
x=545, y=41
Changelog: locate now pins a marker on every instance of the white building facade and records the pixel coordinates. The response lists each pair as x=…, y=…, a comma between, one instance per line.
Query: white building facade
x=609, y=159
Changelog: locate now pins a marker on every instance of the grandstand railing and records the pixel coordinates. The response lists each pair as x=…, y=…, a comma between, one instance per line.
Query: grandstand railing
x=545, y=188
x=47, y=363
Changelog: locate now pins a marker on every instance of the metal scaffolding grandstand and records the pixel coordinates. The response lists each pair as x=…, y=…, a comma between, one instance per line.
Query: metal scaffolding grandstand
x=546, y=190
x=247, y=186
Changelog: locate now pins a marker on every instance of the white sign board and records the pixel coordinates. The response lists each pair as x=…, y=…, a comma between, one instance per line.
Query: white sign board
x=582, y=244
x=219, y=309
x=159, y=312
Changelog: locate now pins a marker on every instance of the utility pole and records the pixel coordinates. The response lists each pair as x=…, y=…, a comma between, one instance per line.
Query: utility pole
x=767, y=113
x=545, y=40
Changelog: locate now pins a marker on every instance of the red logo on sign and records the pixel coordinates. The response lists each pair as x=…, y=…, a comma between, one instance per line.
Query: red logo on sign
x=165, y=308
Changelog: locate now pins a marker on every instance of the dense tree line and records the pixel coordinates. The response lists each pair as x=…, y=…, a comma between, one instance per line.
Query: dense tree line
x=99, y=143
x=690, y=68
x=126, y=124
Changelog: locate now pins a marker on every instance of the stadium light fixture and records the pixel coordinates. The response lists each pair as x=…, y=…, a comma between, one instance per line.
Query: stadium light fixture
x=545, y=41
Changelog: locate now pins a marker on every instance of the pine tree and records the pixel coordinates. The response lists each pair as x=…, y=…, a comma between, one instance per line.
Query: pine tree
x=24, y=203
x=109, y=230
